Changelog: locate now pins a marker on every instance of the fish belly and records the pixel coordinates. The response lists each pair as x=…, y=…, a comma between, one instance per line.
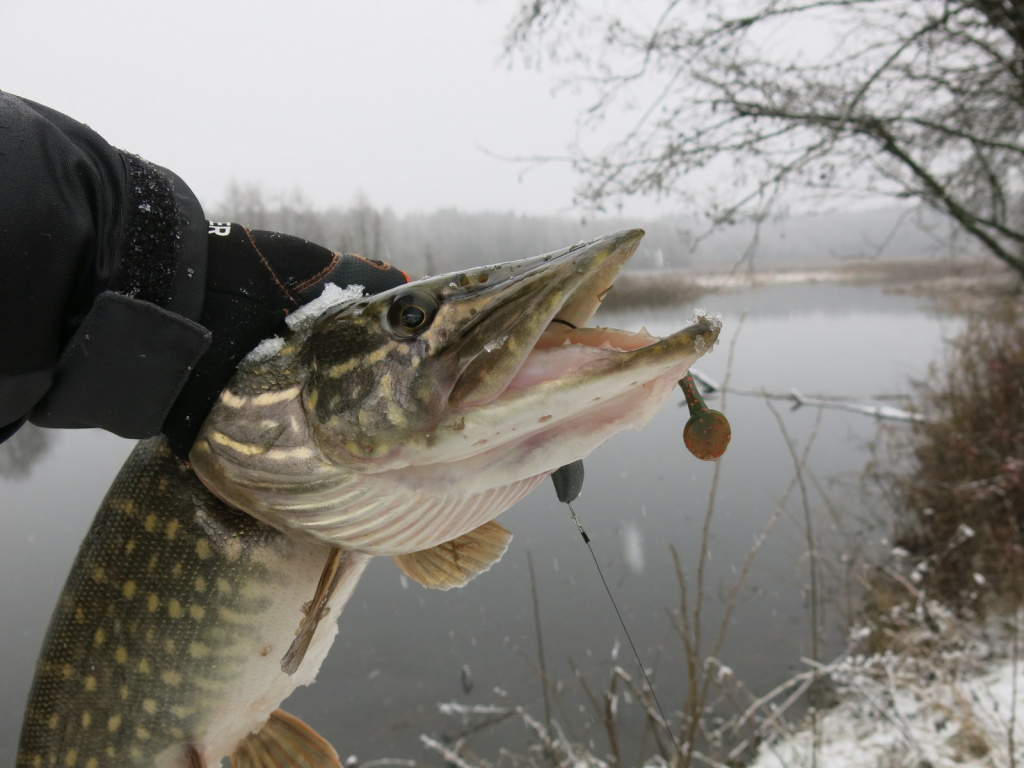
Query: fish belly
x=167, y=641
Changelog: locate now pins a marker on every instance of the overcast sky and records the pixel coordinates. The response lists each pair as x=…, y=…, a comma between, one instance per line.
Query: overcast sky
x=398, y=99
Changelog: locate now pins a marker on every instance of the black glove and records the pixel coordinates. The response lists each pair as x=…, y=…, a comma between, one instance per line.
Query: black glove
x=253, y=280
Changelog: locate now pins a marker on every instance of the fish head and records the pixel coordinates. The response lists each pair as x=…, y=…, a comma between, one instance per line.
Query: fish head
x=428, y=371
x=398, y=421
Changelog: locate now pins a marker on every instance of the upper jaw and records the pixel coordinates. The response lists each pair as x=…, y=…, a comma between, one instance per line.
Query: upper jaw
x=509, y=317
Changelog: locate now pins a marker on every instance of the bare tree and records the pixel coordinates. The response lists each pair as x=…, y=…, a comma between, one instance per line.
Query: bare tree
x=249, y=205
x=826, y=99
x=244, y=203
x=367, y=220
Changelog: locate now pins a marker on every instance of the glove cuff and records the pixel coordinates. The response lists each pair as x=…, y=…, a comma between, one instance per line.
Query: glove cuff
x=162, y=250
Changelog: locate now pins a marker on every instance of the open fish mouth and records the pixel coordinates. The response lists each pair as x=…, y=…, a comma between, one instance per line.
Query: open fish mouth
x=541, y=369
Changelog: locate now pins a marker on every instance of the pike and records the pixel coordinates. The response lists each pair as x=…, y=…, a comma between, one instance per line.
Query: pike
x=400, y=424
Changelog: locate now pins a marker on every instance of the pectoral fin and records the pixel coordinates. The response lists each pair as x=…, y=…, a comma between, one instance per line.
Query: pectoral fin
x=457, y=562
x=195, y=757
x=315, y=610
x=285, y=742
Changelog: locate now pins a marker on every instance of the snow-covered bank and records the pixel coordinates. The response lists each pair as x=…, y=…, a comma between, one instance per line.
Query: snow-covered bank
x=915, y=274
x=946, y=693
x=670, y=286
x=953, y=697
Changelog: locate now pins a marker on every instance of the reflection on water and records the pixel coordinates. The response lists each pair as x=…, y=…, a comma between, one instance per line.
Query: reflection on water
x=402, y=649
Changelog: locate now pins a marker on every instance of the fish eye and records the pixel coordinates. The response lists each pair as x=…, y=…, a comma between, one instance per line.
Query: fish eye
x=411, y=313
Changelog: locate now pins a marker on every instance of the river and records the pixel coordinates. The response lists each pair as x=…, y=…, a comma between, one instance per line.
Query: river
x=403, y=649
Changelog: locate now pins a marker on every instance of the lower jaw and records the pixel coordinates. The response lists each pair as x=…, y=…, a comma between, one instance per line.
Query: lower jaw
x=567, y=437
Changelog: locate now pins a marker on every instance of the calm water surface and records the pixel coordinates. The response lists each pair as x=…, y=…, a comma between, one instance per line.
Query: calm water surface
x=403, y=649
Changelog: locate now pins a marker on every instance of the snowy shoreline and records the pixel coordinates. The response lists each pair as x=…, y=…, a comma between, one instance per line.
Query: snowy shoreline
x=953, y=697
x=940, y=278
x=947, y=693
x=913, y=273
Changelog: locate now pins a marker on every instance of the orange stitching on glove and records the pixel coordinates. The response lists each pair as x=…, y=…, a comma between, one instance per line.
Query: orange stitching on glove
x=269, y=268
x=323, y=273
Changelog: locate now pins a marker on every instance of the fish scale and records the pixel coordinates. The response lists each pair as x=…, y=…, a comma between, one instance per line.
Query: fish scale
x=164, y=608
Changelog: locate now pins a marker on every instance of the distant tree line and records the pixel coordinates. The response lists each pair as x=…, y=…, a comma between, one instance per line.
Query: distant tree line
x=448, y=239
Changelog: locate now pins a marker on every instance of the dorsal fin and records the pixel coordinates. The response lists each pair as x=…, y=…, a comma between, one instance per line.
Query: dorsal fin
x=457, y=562
x=284, y=741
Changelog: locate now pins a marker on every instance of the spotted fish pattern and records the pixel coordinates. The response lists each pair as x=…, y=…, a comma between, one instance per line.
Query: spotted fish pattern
x=169, y=604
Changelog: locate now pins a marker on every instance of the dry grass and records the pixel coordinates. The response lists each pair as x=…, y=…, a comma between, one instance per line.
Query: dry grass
x=962, y=502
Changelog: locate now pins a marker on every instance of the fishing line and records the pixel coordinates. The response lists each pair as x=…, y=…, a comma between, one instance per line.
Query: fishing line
x=568, y=482
x=622, y=622
x=706, y=435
